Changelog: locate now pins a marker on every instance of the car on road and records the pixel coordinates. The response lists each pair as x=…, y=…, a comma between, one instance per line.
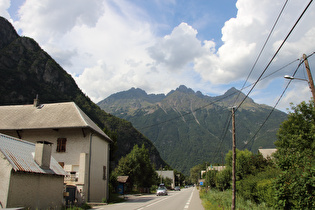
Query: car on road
x=161, y=191
x=177, y=188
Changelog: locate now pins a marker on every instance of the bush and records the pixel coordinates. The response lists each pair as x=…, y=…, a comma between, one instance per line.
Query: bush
x=223, y=178
x=247, y=188
x=265, y=192
x=259, y=188
x=214, y=199
x=211, y=178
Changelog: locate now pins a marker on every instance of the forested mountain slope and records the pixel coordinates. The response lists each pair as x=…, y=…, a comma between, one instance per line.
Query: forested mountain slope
x=189, y=128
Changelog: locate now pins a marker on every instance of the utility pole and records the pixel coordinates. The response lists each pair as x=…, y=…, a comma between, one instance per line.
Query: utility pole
x=233, y=158
x=310, y=78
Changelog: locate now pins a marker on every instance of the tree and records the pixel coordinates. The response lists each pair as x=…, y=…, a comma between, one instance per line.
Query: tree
x=138, y=167
x=211, y=178
x=223, y=179
x=295, y=157
x=195, y=173
x=244, y=165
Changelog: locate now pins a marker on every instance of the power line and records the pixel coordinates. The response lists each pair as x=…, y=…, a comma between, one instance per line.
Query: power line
x=190, y=112
x=274, y=107
x=274, y=25
x=273, y=57
x=229, y=117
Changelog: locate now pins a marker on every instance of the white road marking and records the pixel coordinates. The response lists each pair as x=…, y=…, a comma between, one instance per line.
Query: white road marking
x=151, y=204
x=188, y=202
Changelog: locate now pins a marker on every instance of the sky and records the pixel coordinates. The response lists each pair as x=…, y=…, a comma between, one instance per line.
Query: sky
x=210, y=46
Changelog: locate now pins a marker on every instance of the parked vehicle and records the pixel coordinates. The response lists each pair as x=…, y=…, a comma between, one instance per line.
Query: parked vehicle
x=177, y=188
x=161, y=191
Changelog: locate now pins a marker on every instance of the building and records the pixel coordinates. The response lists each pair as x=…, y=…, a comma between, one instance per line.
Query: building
x=267, y=153
x=30, y=177
x=78, y=144
x=169, y=175
x=216, y=168
x=212, y=168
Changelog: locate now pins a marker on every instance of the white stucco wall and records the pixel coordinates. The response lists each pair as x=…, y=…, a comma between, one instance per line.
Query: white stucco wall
x=76, y=146
x=76, y=142
x=35, y=191
x=99, y=159
x=5, y=172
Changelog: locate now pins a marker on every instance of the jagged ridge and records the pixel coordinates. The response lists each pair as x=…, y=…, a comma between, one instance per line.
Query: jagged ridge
x=188, y=127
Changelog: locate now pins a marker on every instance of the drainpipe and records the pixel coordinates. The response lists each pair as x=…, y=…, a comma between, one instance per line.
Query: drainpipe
x=90, y=155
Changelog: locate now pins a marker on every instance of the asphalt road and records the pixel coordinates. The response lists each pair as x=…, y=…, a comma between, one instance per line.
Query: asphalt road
x=186, y=199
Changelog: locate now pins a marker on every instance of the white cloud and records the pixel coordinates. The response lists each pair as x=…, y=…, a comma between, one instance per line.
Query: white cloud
x=111, y=45
x=4, y=5
x=47, y=19
x=177, y=49
x=294, y=96
x=243, y=38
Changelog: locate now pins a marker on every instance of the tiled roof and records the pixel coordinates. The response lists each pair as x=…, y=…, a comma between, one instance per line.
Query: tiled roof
x=20, y=154
x=54, y=116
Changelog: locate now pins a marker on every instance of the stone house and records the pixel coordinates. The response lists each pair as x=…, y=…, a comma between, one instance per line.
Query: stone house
x=78, y=144
x=30, y=177
x=167, y=174
x=267, y=153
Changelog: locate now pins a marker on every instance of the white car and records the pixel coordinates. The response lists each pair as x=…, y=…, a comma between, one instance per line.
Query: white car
x=161, y=191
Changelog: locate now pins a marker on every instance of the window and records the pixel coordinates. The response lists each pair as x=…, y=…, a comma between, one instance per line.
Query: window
x=104, y=172
x=61, y=145
x=62, y=164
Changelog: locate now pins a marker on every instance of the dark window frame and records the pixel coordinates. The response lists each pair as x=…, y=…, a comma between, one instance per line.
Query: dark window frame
x=61, y=145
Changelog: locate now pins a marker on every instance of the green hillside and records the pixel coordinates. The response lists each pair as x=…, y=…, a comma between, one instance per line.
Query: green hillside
x=189, y=128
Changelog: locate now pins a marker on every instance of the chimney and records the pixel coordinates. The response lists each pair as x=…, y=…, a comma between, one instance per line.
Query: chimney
x=36, y=101
x=43, y=154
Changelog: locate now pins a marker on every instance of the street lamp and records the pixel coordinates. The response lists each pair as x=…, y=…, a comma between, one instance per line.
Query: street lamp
x=290, y=77
x=310, y=78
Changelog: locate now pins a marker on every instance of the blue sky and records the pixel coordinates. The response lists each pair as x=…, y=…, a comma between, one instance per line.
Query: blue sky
x=210, y=46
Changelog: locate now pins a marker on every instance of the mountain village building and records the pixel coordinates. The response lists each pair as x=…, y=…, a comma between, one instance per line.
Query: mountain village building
x=267, y=153
x=78, y=144
x=167, y=174
x=30, y=177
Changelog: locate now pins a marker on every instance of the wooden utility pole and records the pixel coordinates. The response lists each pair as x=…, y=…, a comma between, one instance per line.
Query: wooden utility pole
x=310, y=78
x=234, y=159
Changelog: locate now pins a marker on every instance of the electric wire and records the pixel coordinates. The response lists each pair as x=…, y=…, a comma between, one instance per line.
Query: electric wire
x=264, y=45
x=190, y=112
x=228, y=120
x=274, y=107
x=226, y=127
x=273, y=57
x=272, y=110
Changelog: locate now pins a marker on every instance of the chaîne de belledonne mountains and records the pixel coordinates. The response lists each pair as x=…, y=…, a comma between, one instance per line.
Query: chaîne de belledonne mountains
x=26, y=71
x=189, y=128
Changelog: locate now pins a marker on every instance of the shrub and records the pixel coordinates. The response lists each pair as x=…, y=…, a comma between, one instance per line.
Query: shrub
x=265, y=192
x=223, y=178
x=259, y=188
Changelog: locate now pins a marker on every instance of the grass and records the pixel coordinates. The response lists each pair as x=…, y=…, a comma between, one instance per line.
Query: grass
x=217, y=200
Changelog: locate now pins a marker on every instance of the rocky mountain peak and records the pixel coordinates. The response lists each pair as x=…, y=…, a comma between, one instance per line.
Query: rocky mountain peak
x=184, y=89
x=7, y=33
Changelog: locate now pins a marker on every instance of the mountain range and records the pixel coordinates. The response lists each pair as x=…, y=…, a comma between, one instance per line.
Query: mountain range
x=189, y=128
x=27, y=71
